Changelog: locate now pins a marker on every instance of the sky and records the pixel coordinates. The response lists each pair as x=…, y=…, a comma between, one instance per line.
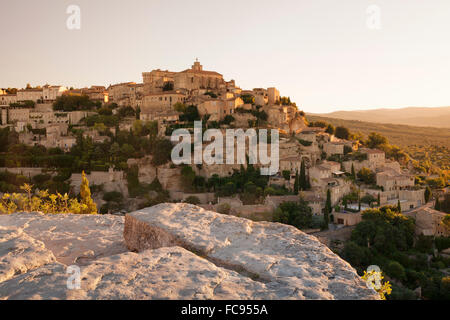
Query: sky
x=326, y=55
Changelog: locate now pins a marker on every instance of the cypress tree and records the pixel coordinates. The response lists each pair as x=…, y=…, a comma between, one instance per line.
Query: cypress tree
x=437, y=205
x=427, y=194
x=296, y=183
x=89, y=205
x=327, y=210
x=399, y=207
x=302, y=176
x=379, y=199
x=353, y=172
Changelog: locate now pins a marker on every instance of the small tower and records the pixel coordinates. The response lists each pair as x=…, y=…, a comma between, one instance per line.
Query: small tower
x=197, y=66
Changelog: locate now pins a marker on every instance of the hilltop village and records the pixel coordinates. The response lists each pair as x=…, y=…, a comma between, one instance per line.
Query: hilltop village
x=120, y=136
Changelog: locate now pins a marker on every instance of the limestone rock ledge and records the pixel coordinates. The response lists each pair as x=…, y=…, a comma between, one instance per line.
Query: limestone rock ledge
x=297, y=265
x=180, y=252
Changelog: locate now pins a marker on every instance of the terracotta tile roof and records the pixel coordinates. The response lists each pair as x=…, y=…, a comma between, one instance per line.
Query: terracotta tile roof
x=211, y=73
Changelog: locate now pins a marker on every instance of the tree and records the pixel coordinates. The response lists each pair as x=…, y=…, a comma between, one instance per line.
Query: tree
x=330, y=129
x=367, y=176
x=302, y=181
x=445, y=204
x=327, y=210
x=286, y=174
x=297, y=214
x=399, y=206
x=161, y=151
x=342, y=133
x=369, y=199
x=437, y=205
x=187, y=177
x=353, y=172
x=296, y=183
x=428, y=194
x=385, y=230
x=396, y=270
x=88, y=205
x=376, y=140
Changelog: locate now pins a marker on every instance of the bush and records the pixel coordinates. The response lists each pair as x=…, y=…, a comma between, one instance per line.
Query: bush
x=400, y=293
x=442, y=243
x=161, y=151
x=192, y=200
x=396, y=270
x=74, y=103
x=113, y=196
x=224, y=208
x=297, y=214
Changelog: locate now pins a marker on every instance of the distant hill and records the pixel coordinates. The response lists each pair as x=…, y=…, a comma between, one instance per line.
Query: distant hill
x=413, y=116
x=420, y=142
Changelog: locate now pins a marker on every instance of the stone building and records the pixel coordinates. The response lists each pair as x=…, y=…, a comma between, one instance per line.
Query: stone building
x=197, y=78
x=374, y=156
x=273, y=95
x=7, y=99
x=429, y=222
x=50, y=93
x=162, y=101
x=29, y=95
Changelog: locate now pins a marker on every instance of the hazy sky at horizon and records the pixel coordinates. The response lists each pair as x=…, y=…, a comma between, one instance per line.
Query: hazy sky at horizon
x=319, y=52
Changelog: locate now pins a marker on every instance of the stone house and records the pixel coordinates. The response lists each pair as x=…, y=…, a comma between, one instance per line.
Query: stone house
x=29, y=94
x=50, y=93
x=332, y=148
x=163, y=101
x=7, y=99
x=429, y=222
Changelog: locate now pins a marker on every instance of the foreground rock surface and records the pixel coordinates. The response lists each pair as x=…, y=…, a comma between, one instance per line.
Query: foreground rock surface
x=166, y=273
x=298, y=265
x=73, y=239
x=20, y=253
x=180, y=252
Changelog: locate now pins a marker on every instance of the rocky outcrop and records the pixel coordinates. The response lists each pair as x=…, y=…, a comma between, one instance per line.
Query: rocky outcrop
x=179, y=252
x=297, y=265
x=20, y=253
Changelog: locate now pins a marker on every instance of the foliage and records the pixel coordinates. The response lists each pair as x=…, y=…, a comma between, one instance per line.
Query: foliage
x=41, y=201
x=223, y=208
x=386, y=231
x=305, y=142
x=168, y=86
x=330, y=129
x=286, y=175
x=297, y=214
x=248, y=99
x=192, y=200
x=428, y=147
x=161, y=151
x=189, y=113
x=342, y=133
x=74, y=103
x=211, y=94
x=327, y=211
x=427, y=194
x=88, y=205
x=367, y=176
x=126, y=112
x=376, y=140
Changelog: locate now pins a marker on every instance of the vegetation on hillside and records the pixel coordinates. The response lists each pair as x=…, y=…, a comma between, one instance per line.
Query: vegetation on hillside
x=386, y=238
x=32, y=200
x=429, y=147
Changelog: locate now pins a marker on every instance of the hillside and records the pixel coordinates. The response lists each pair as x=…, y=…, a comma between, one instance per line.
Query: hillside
x=421, y=143
x=413, y=116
